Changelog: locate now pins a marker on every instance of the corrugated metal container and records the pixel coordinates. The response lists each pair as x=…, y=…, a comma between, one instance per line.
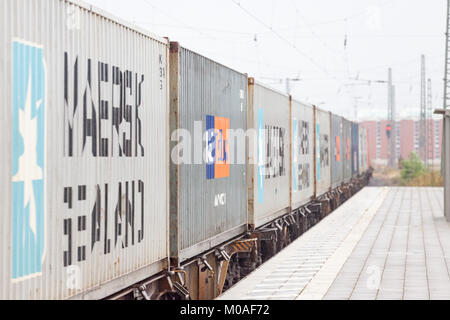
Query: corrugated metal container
x=302, y=190
x=363, y=155
x=355, y=150
x=323, y=150
x=208, y=198
x=361, y=150
x=269, y=161
x=347, y=156
x=366, y=158
x=84, y=172
x=338, y=153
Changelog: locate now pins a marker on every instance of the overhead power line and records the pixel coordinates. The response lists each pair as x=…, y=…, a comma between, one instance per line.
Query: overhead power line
x=179, y=20
x=347, y=18
x=283, y=39
x=313, y=33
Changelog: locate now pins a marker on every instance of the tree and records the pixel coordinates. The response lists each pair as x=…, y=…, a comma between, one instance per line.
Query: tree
x=412, y=168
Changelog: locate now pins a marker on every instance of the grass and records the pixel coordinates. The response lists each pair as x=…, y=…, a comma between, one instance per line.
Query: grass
x=425, y=179
x=412, y=173
x=415, y=174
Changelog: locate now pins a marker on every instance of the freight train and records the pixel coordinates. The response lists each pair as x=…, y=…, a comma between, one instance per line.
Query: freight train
x=134, y=168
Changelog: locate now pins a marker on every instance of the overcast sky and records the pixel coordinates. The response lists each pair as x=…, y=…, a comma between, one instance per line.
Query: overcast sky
x=325, y=43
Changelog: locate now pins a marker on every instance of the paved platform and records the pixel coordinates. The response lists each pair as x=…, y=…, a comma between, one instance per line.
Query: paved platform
x=384, y=243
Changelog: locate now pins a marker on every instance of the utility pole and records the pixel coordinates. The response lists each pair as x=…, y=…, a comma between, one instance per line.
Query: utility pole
x=446, y=113
x=423, y=113
x=446, y=158
x=429, y=121
x=356, y=107
x=287, y=81
x=392, y=130
x=288, y=84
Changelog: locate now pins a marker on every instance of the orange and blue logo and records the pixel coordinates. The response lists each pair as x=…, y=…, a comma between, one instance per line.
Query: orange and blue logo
x=337, y=152
x=218, y=163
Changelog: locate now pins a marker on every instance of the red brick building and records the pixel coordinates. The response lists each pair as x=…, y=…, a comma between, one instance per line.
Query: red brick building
x=408, y=134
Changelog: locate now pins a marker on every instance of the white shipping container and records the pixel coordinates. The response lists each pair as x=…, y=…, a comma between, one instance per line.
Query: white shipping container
x=269, y=161
x=363, y=155
x=84, y=172
x=302, y=187
x=323, y=150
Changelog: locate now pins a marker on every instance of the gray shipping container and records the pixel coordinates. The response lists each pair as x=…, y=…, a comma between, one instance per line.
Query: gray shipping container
x=337, y=159
x=208, y=199
x=269, y=161
x=84, y=172
x=302, y=190
x=347, y=156
x=323, y=152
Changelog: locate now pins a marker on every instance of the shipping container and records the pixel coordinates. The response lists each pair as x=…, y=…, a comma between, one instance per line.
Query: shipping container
x=355, y=150
x=366, y=150
x=347, y=140
x=208, y=194
x=84, y=172
x=337, y=160
x=363, y=158
x=269, y=156
x=302, y=136
x=323, y=152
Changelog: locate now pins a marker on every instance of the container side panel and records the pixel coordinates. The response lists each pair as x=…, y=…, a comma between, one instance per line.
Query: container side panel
x=324, y=152
x=355, y=150
x=271, y=183
x=85, y=168
x=212, y=194
x=302, y=153
x=364, y=150
x=337, y=159
x=347, y=127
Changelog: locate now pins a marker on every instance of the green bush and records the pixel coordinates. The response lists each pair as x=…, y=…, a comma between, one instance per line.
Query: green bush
x=412, y=168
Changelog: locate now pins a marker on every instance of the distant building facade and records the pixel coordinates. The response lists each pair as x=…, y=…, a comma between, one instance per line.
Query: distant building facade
x=407, y=140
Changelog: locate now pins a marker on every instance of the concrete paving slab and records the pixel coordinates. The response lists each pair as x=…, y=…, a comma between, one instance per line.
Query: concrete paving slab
x=384, y=243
